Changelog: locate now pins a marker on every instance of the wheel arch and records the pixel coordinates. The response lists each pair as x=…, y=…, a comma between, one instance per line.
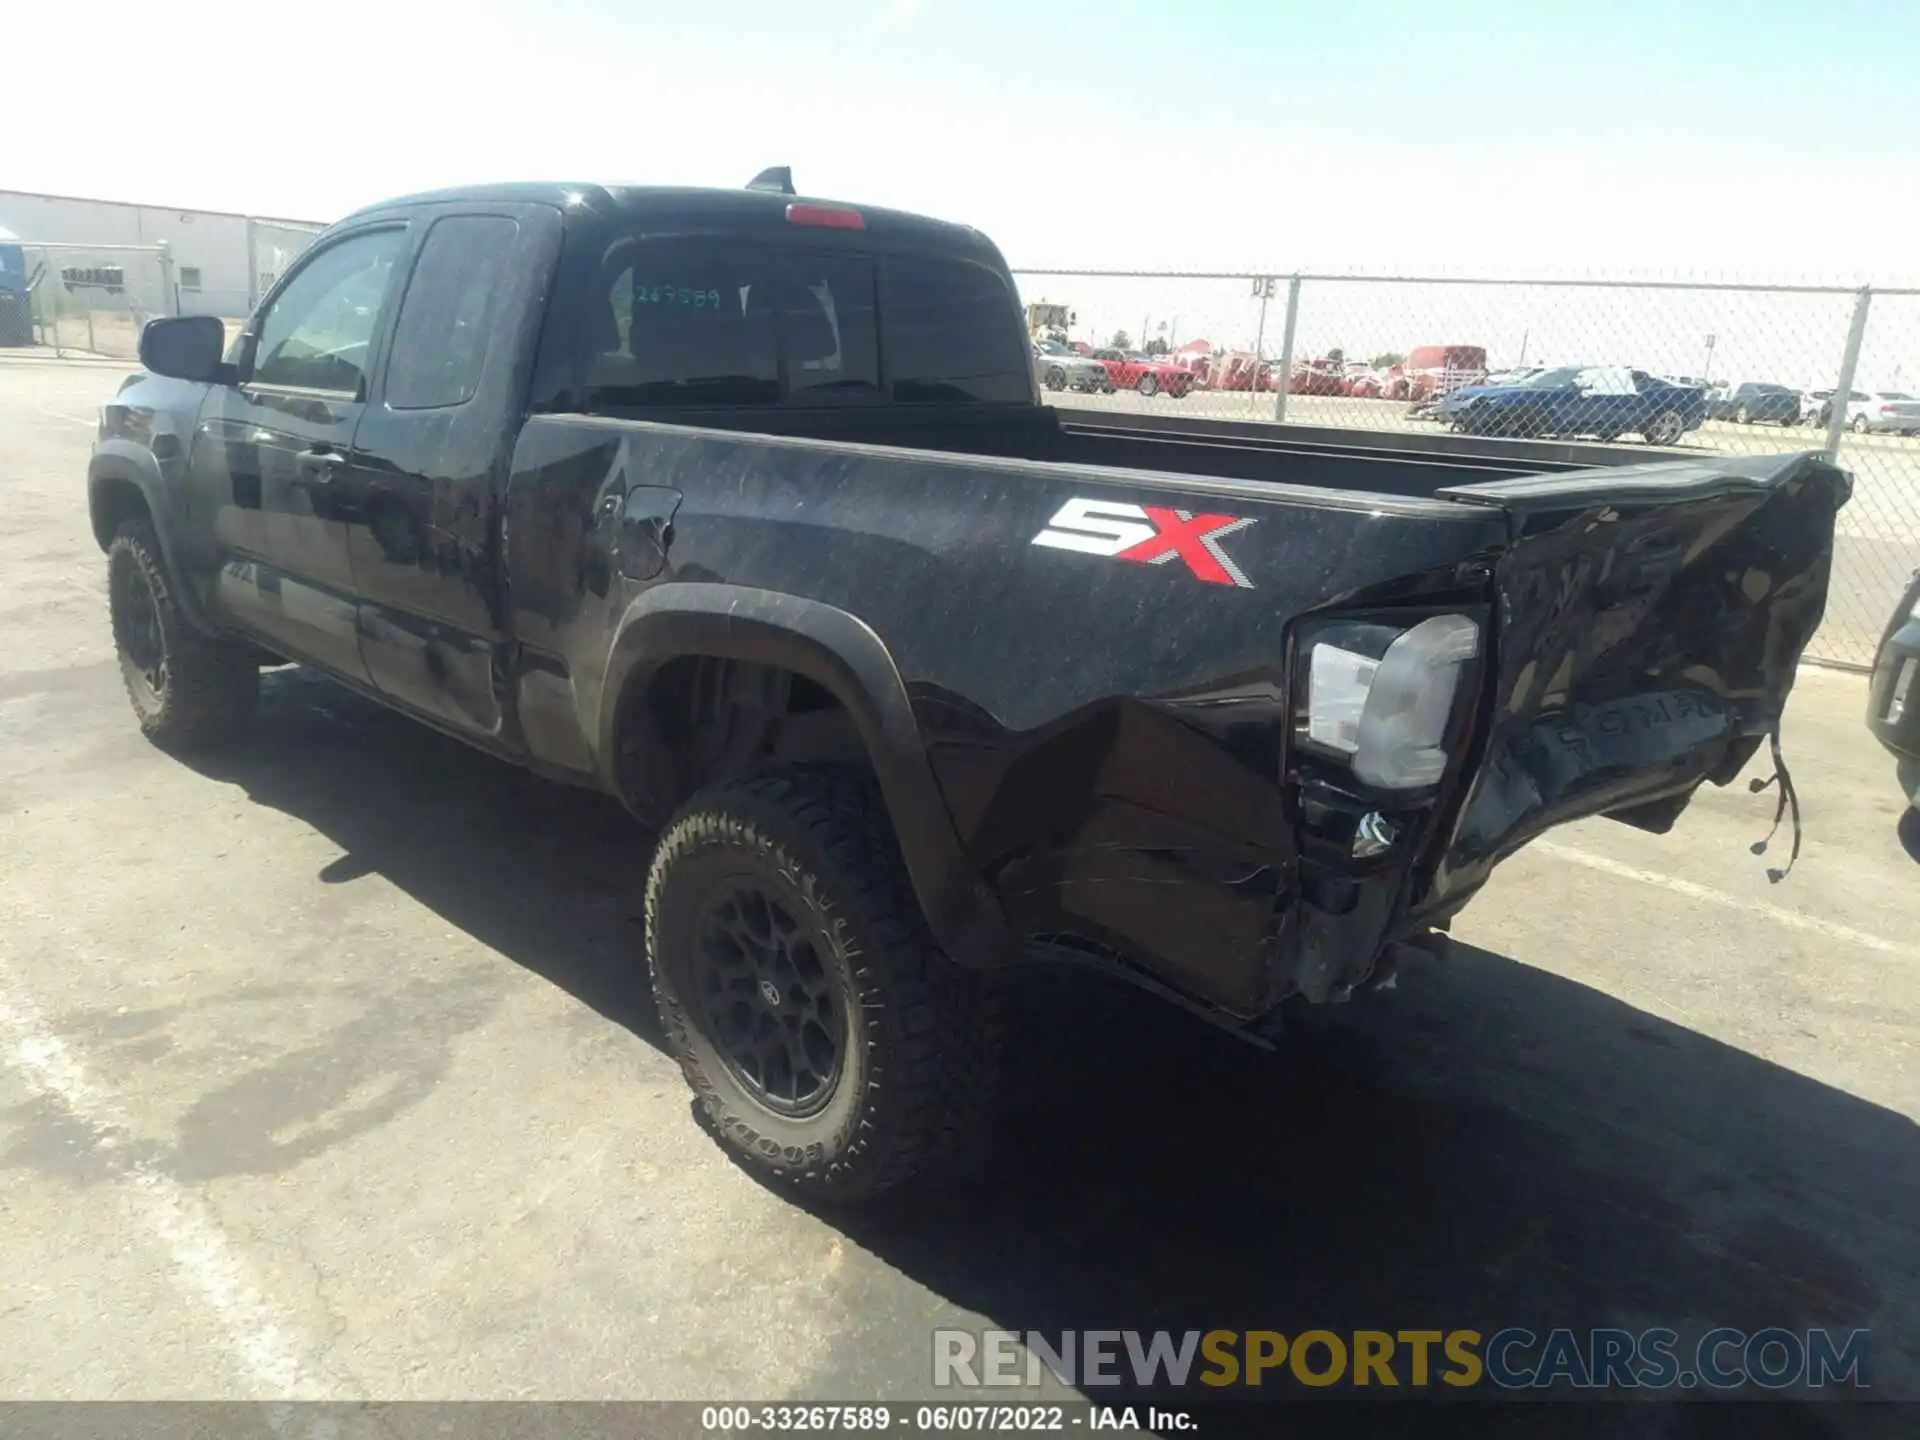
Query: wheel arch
x=124, y=483
x=843, y=656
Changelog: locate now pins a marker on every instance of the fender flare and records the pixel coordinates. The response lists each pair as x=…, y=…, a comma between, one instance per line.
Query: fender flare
x=117, y=464
x=842, y=654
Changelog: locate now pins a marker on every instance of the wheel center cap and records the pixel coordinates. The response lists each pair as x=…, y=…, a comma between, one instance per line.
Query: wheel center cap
x=770, y=992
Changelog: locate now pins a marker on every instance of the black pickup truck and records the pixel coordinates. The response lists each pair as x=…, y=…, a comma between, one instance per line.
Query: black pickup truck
x=743, y=508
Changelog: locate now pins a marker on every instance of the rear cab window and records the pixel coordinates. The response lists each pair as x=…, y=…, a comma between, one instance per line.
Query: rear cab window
x=688, y=321
x=948, y=334
x=699, y=321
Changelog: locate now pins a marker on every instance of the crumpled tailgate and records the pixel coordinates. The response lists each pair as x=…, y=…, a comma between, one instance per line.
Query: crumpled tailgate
x=1647, y=627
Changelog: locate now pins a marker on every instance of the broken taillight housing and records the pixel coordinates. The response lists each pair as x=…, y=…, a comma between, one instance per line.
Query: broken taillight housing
x=1382, y=696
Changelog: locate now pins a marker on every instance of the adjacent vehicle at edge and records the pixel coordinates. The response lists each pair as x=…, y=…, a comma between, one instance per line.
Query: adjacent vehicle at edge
x=742, y=508
x=1893, y=694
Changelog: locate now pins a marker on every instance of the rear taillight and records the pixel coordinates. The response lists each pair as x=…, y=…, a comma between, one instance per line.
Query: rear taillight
x=829, y=217
x=1889, y=409
x=1382, y=697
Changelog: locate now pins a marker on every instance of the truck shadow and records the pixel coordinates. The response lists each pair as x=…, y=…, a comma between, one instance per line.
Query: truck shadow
x=1488, y=1145
x=548, y=875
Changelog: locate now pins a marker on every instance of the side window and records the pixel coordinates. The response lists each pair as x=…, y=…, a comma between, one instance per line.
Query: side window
x=318, y=332
x=952, y=332
x=440, y=341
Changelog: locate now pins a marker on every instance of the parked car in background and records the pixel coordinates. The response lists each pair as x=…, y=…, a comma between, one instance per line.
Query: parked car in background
x=1893, y=695
x=1366, y=383
x=1816, y=407
x=1513, y=376
x=1239, y=370
x=1605, y=401
x=1148, y=374
x=1435, y=370
x=1755, y=402
x=1058, y=366
x=1884, y=412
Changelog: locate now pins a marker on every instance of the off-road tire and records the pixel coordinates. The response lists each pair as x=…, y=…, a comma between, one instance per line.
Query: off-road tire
x=205, y=691
x=921, y=1036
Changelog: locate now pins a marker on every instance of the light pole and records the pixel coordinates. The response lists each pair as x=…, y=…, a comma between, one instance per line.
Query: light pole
x=1706, y=374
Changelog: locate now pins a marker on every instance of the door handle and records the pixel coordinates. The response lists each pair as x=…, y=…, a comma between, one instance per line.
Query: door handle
x=318, y=466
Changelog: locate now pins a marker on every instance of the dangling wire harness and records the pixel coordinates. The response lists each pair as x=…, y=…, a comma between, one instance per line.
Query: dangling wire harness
x=1789, y=801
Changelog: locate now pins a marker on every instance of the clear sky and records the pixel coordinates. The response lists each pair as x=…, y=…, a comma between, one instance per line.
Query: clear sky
x=1778, y=138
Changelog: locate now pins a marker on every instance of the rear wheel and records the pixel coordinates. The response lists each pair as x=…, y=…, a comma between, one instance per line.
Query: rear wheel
x=1743, y=416
x=1056, y=378
x=1859, y=425
x=1148, y=386
x=829, y=1045
x=189, y=690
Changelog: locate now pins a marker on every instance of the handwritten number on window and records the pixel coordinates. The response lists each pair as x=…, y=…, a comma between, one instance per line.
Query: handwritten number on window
x=676, y=295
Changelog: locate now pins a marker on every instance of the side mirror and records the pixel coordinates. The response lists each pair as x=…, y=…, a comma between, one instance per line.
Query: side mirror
x=186, y=347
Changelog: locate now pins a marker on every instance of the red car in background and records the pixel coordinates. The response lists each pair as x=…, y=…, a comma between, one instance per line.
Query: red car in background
x=1317, y=377
x=1435, y=370
x=1145, y=373
x=1240, y=370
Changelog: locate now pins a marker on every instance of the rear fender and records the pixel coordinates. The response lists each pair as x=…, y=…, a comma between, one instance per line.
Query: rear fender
x=842, y=654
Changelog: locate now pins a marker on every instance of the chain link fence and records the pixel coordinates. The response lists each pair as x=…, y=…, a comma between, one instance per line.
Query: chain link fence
x=1693, y=368
x=75, y=301
x=84, y=301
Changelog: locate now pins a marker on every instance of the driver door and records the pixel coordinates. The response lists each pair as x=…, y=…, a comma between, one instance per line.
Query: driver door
x=266, y=476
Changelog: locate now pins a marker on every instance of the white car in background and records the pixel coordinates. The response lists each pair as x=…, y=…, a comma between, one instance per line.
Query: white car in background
x=1884, y=412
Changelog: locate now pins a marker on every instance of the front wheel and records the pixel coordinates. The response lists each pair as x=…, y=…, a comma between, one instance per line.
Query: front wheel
x=1859, y=425
x=1148, y=386
x=1743, y=416
x=829, y=1046
x=189, y=690
x=1666, y=428
x=1056, y=379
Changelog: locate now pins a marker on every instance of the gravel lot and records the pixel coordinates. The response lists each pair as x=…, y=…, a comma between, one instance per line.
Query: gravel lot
x=323, y=1072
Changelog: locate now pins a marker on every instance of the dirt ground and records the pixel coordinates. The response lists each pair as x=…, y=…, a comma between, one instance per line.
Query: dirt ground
x=324, y=1072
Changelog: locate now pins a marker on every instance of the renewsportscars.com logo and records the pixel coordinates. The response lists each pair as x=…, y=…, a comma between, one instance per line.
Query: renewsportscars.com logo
x=1513, y=1358
x=1148, y=535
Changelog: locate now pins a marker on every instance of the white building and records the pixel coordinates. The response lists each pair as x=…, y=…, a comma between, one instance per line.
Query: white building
x=215, y=263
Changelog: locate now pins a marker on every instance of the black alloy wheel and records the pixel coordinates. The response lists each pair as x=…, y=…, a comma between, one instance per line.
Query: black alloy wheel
x=772, y=1010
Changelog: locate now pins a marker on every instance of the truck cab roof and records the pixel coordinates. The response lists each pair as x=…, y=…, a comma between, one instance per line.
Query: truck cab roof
x=694, y=207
